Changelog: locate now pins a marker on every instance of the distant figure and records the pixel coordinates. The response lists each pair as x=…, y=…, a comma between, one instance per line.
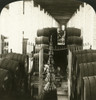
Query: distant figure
x=58, y=77
x=58, y=71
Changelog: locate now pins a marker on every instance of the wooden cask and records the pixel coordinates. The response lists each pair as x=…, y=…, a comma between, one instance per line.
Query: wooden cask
x=21, y=58
x=43, y=32
x=89, y=92
x=11, y=65
x=76, y=60
x=82, y=58
x=5, y=82
x=86, y=92
x=85, y=69
x=74, y=40
x=73, y=31
x=42, y=40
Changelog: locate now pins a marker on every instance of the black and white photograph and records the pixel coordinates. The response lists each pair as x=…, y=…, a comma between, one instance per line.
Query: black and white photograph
x=47, y=50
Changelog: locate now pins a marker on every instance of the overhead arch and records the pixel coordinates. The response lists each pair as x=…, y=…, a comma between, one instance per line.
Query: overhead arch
x=62, y=15
x=3, y=3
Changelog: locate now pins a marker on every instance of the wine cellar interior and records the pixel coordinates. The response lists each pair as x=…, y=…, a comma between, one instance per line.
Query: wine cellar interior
x=47, y=50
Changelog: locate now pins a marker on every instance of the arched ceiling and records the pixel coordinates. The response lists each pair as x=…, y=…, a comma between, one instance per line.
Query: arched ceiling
x=61, y=10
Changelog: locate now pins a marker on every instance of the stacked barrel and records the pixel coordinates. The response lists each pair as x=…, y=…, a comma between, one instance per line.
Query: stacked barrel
x=13, y=74
x=73, y=36
x=42, y=41
x=89, y=88
x=5, y=83
x=73, y=42
x=82, y=64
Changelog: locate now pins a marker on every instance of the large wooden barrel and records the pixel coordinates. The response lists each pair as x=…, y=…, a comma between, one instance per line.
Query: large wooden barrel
x=42, y=40
x=53, y=30
x=16, y=72
x=83, y=58
x=24, y=63
x=43, y=32
x=22, y=59
x=76, y=60
x=5, y=82
x=73, y=32
x=43, y=46
x=89, y=92
x=74, y=40
x=11, y=65
x=85, y=69
x=46, y=31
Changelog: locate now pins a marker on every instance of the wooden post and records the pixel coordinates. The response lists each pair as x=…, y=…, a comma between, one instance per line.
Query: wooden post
x=69, y=73
x=40, y=71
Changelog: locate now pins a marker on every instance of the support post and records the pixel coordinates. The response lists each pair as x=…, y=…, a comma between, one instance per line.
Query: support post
x=40, y=71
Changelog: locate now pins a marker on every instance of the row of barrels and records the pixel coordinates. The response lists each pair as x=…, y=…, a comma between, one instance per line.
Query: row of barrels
x=13, y=74
x=47, y=32
x=43, y=36
x=73, y=36
x=83, y=64
x=89, y=88
x=74, y=43
x=42, y=42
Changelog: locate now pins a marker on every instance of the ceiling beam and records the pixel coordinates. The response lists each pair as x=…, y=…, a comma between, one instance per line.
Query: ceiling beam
x=57, y=1
x=62, y=14
x=62, y=17
x=60, y=5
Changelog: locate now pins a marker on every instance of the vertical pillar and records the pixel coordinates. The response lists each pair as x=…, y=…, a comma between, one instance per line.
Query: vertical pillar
x=40, y=71
x=69, y=74
x=0, y=45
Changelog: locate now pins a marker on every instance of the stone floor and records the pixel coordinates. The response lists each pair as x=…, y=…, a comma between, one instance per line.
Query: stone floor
x=62, y=98
x=62, y=91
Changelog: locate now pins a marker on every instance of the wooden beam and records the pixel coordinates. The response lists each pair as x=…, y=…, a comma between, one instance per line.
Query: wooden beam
x=41, y=8
x=56, y=1
x=62, y=14
x=35, y=4
x=62, y=17
x=40, y=72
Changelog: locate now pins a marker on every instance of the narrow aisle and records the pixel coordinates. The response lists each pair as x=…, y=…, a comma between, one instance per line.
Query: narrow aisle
x=62, y=91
